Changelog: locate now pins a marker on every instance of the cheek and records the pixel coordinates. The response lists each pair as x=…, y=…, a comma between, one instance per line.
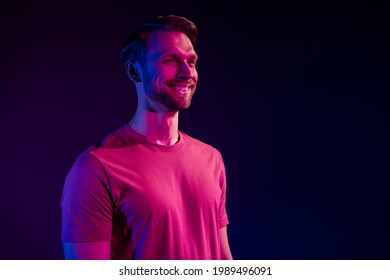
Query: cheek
x=154, y=77
x=160, y=82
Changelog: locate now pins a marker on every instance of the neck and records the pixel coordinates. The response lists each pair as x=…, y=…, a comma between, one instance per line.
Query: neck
x=157, y=127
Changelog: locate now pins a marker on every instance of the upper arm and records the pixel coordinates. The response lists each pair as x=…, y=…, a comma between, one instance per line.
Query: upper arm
x=87, y=204
x=87, y=250
x=225, y=248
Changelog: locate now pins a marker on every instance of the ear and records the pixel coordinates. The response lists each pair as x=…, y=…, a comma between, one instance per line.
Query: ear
x=132, y=72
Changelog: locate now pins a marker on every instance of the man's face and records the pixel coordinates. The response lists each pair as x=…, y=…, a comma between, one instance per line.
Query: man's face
x=169, y=75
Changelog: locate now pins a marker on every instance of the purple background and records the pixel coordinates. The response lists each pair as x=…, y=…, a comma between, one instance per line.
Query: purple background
x=294, y=96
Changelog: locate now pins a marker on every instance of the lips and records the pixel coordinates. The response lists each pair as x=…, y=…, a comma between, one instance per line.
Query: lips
x=182, y=88
x=180, y=85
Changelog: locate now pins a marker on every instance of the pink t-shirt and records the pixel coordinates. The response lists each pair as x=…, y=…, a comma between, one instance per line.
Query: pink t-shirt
x=150, y=201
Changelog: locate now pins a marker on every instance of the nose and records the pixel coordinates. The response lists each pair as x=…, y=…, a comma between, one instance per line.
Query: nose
x=186, y=72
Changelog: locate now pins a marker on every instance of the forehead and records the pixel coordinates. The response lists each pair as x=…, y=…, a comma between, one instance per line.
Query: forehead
x=160, y=42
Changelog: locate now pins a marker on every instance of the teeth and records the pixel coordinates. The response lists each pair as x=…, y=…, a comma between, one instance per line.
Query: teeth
x=180, y=88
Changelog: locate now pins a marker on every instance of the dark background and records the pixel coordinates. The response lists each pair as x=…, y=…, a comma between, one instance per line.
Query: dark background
x=294, y=95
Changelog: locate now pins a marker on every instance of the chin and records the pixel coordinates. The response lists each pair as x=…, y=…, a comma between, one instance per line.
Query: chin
x=179, y=107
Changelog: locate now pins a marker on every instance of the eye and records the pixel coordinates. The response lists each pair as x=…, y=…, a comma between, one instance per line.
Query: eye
x=169, y=60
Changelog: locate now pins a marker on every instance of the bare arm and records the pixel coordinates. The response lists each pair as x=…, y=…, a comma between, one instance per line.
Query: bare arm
x=225, y=248
x=87, y=251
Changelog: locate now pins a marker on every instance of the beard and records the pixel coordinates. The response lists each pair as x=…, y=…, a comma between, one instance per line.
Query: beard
x=167, y=96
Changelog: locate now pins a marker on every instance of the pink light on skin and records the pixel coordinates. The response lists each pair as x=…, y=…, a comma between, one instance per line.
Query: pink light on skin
x=166, y=84
x=170, y=76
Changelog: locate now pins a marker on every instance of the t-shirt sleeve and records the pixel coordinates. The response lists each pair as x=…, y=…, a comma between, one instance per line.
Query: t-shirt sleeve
x=86, y=202
x=223, y=218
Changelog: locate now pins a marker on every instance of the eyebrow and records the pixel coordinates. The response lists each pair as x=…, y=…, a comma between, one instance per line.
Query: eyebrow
x=162, y=54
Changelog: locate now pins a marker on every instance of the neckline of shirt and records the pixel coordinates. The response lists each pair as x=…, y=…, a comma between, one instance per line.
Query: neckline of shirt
x=142, y=139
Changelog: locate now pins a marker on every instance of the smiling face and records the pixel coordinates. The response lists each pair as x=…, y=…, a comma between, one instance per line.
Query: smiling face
x=169, y=76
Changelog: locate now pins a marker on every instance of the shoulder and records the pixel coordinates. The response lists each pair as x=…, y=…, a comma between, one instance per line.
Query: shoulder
x=199, y=146
x=89, y=160
x=86, y=159
x=85, y=166
x=116, y=139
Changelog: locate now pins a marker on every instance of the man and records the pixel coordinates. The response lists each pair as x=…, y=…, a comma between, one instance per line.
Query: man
x=148, y=190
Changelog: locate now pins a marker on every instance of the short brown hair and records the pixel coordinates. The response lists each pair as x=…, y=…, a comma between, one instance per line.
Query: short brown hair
x=133, y=45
